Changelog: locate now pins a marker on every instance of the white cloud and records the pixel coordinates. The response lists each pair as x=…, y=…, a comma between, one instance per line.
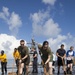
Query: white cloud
x=68, y=40
x=5, y=11
x=56, y=42
x=13, y=20
x=8, y=43
x=51, y=2
x=43, y=25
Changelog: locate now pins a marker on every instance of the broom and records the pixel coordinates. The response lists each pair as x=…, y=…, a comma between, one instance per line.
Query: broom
x=12, y=73
x=64, y=65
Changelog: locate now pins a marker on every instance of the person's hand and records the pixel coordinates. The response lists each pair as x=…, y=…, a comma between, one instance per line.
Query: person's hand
x=44, y=65
x=72, y=58
x=62, y=58
x=20, y=61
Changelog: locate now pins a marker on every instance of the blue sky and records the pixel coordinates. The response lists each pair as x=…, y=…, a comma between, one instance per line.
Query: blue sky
x=33, y=17
x=62, y=13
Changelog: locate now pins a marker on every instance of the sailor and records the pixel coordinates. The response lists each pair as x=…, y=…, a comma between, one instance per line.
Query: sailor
x=70, y=55
x=46, y=56
x=17, y=57
x=35, y=69
x=3, y=59
x=25, y=59
x=61, y=54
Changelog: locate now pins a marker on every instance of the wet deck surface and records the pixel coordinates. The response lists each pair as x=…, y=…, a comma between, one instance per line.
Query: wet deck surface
x=40, y=71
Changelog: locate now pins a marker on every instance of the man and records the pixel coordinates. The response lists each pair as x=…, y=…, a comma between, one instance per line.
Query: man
x=3, y=59
x=61, y=54
x=25, y=59
x=17, y=57
x=70, y=55
x=46, y=56
x=35, y=69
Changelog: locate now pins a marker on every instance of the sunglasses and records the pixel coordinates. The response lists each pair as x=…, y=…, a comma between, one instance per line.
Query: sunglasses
x=22, y=44
x=46, y=44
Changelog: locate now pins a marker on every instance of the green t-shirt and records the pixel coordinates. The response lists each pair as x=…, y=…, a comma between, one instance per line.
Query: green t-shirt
x=45, y=53
x=23, y=51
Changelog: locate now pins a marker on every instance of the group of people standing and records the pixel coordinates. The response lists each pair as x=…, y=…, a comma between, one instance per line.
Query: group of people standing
x=65, y=59
x=22, y=59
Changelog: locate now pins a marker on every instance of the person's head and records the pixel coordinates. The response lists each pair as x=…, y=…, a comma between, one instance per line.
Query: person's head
x=15, y=49
x=45, y=44
x=22, y=42
x=71, y=48
x=62, y=46
x=33, y=48
x=2, y=52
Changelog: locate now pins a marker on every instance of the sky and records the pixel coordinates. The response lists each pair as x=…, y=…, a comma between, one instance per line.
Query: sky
x=51, y=20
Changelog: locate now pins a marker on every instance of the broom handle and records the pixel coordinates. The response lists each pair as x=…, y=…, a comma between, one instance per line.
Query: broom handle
x=13, y=66
x=19, y=68
x=63, y=62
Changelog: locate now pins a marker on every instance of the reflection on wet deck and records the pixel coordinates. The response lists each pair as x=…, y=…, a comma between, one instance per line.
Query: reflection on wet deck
x=40, y=71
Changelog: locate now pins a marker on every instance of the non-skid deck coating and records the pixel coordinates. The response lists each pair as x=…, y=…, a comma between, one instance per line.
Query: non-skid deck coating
x=40, y=71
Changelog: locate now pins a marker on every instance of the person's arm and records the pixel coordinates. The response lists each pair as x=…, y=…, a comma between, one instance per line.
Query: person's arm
x=39, y=46
x=0, y=57
x=73, y=53
x=48, y=59
x=67, y=54
x=4, y=56
x=72, y=56
x=40, y=52
x=58, y=55
x=64, y=55
x=35, y=56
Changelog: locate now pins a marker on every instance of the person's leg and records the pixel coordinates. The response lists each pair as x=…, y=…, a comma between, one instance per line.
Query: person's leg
x=59, y=64
x=53, y=64
x=2, y=67
x=21, y=66
x=33, y=67
x=17, y=65
x=45, y=70
x=58, y=69
x=64, y=66
x=5, y=66
x=71, y=66
x=24, y=69
x=50, y=68
x=68, y=66
x=36, y=66
x=27, y=69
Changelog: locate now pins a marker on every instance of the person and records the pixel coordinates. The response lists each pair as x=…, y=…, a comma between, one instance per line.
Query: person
x=17, y=57
x=3, y=59
x=35, y=69
x=61, y=54
x=70, y=55
x=25, y=59
x=46, y=56
x=54, y=59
